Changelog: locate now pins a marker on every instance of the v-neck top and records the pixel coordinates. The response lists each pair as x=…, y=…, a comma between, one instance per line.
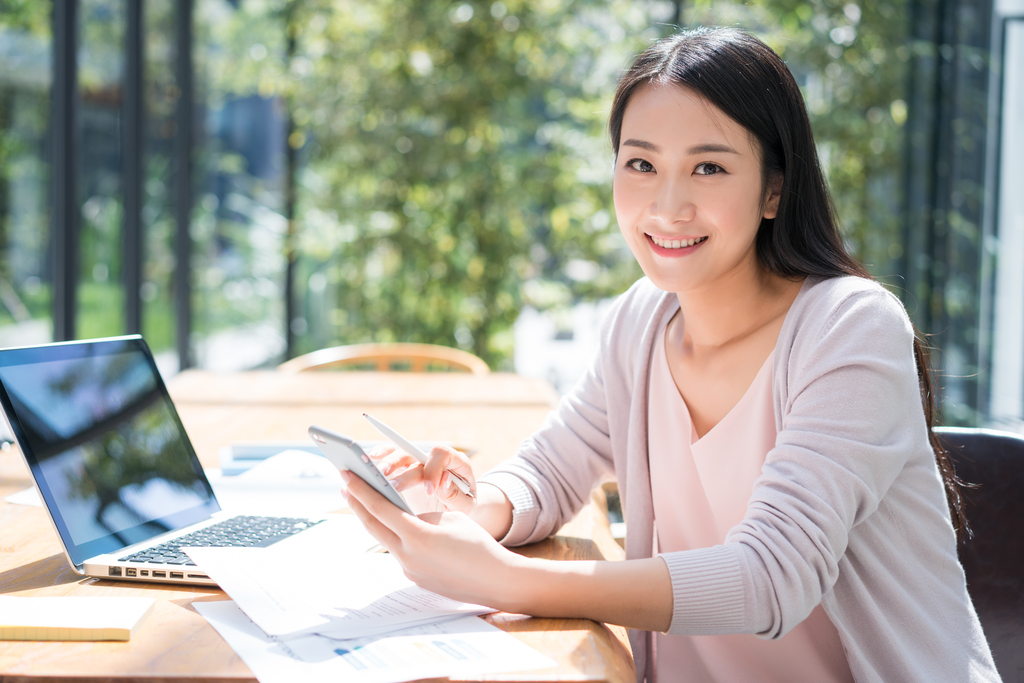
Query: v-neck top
x=700, y=489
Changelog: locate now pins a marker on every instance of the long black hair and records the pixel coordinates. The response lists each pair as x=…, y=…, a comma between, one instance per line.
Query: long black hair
x=750, y=83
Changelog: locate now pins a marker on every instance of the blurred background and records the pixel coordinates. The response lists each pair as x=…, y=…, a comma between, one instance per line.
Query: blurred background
x=244, y=181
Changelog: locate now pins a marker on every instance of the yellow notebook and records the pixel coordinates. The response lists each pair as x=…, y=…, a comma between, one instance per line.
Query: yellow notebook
x=71, y=618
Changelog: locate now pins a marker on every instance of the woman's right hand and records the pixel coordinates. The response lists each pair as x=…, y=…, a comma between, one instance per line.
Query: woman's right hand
x=406, y=472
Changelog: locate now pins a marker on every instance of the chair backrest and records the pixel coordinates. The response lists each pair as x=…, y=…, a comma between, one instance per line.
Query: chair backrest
x=993, y=559
x=387, y=358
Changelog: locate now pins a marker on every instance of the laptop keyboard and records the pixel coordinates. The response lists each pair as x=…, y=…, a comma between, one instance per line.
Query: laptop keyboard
x=246, y=531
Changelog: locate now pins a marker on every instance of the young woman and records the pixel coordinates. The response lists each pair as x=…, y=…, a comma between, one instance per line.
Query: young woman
x=759, y=399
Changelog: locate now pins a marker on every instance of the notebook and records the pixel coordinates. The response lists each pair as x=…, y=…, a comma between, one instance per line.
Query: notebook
x=113, y=466
x=71, y=618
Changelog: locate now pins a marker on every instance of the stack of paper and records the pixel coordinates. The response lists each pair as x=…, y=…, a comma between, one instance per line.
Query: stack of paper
x=311, y=607
x=71, y=618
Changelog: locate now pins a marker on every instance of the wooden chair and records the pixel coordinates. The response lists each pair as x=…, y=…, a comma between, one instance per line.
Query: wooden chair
x=993, y=558
x=387, y=358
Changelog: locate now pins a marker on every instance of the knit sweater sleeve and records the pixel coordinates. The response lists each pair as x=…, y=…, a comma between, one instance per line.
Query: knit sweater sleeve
x=849, y=412
x=552, y=474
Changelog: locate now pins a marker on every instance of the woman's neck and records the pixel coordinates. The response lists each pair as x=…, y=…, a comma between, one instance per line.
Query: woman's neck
x=733, y=308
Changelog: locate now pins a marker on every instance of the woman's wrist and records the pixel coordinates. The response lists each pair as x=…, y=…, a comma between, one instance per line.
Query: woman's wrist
x=493, y=510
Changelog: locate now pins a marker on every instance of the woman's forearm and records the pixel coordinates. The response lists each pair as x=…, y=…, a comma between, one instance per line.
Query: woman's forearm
x=633, y=593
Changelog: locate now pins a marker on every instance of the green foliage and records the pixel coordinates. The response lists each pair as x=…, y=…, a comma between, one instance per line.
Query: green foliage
x=453, y=159
x=31, y=16
x=455, y=153
x=24, y=229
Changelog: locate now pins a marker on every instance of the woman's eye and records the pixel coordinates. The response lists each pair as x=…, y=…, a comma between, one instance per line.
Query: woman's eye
x=640, y=165
x=708, y=169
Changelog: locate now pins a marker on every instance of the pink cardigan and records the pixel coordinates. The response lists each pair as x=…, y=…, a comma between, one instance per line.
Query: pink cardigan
x=849, y=510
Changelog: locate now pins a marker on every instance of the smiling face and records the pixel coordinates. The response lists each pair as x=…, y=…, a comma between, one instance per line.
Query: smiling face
x=688, y=190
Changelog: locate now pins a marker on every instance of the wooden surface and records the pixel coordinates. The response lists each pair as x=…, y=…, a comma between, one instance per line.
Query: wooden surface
x=486, y=414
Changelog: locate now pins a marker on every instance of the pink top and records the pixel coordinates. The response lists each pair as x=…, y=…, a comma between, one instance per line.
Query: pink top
x=700, y=489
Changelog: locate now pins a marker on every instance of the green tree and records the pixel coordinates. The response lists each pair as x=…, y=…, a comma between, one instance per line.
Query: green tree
x=456, y=154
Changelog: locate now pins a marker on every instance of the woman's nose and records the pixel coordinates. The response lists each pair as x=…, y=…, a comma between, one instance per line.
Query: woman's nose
x=672, y=203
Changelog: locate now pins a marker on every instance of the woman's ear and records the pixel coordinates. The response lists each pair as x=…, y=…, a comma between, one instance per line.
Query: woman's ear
x=773, y=196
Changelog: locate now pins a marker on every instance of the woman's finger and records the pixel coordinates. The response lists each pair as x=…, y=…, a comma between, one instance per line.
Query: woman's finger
x=444, y=458
x=380, y=451
x=383, y=535
x=407, y=479
x=396, y=461
x=379, y=508
x=438, y=478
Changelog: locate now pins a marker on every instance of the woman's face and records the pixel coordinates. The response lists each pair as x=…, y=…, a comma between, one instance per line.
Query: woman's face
x=688, y=193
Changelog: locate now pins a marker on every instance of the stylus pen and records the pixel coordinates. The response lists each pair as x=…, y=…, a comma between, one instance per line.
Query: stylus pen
x=409, y=448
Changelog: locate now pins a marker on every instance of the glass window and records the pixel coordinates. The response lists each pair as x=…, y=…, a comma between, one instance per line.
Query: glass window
x=100, y=78
x=427, y=171
x=238, y=227
x=26, y=72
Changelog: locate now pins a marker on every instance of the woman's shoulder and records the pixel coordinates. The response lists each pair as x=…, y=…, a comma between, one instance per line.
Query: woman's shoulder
x=840, y=311
x=829, y=300
x=845, y=287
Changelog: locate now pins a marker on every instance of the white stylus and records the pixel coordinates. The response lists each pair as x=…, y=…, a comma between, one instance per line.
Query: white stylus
x=409, y=448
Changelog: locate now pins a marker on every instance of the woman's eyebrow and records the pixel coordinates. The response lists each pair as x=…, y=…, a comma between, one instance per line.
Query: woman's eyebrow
x=642, y=144
x=705, y=148
x=711, y=147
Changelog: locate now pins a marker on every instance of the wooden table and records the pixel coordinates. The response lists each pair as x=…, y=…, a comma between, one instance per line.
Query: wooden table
x=488, y=415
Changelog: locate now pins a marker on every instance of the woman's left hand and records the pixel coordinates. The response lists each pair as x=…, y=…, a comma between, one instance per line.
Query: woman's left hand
x=445, y=552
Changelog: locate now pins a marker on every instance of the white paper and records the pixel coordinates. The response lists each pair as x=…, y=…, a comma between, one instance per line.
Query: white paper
x=291, y=483
x=27, y=497
x=464, y=647
x=398, y=609
x=320, y=581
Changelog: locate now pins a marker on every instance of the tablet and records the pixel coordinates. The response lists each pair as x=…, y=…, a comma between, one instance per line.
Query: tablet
x=345, y=454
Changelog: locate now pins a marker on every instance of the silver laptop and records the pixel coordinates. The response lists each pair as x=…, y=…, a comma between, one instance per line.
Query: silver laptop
x=113, y=465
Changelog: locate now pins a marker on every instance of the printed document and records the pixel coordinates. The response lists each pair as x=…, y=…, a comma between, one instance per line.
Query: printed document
x=322, y=581
x=463, y=648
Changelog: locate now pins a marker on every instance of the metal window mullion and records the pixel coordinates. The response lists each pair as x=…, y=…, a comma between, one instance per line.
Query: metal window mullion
x=290, y=308
x=132, y=171
x=64, y=159
x=183, y=180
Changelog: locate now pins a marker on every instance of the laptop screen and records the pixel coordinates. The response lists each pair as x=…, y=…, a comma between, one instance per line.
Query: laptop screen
x=106, y=447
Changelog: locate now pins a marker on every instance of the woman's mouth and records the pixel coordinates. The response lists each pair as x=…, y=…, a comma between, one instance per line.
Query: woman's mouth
x=681, y=243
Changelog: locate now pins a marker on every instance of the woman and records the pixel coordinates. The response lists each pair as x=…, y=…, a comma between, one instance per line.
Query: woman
x=758, y=398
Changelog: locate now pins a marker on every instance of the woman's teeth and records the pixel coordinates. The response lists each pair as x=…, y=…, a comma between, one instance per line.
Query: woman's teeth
x=677, y=244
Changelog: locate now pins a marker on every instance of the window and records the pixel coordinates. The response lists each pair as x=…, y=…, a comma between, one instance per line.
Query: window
x=242, y=181
x=1007, y=397
x=26, y=59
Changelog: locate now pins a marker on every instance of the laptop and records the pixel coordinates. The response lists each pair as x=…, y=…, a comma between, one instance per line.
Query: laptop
x=113, y=466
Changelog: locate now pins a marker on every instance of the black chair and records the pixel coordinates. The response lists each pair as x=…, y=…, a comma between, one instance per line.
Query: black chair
x=993, y=559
